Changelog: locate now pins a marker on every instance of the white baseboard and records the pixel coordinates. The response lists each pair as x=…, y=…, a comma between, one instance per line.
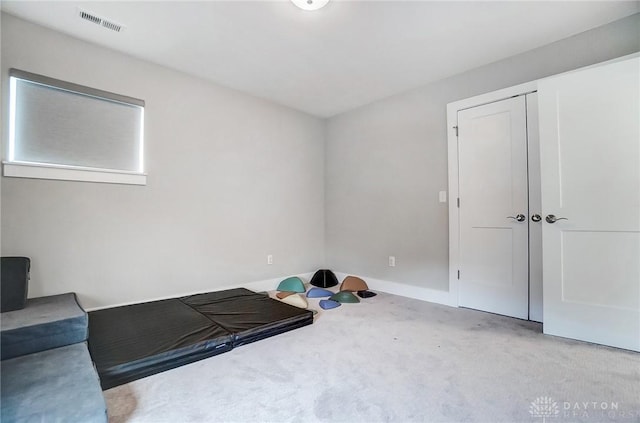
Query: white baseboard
x=258, y=286
x=272, y=284
x=404, y=290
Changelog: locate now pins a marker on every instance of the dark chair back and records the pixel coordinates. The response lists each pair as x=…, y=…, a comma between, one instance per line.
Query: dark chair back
x=14, y=282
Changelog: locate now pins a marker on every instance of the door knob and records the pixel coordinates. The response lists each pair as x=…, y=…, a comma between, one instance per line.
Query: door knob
x=520, y=218
x=553, y=219
x=536, y=218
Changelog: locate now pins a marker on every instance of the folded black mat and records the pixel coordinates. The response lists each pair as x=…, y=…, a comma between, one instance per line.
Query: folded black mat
x=135, y=341
x=249, y=316
x=131, y=342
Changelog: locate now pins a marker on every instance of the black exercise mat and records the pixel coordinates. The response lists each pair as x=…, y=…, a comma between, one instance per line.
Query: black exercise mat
x=131, y=342
x=135, y=341
x=248, y=315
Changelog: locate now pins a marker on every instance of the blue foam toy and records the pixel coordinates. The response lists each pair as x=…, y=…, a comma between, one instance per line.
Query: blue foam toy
x=319, y=292
x=329, y=304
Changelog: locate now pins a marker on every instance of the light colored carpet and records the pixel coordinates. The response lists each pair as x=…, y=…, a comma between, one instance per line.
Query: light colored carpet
x=395, y=359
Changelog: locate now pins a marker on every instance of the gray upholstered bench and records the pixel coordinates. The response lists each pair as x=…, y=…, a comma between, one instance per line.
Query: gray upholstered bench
x=47, y=372
x=44, y=323
x=58, y=385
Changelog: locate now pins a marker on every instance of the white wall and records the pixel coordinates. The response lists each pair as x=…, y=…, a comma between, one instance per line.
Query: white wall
x=232, y=178
x=386, y=162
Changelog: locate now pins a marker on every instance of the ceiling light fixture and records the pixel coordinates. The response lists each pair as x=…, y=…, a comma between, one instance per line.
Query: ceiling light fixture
x=310, y=4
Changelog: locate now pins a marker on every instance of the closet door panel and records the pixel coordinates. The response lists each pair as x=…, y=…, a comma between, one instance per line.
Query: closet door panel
x=493, y=192
x=590, y=161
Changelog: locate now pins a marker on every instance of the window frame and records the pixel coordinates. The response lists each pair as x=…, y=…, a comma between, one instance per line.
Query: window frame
x=27, y=169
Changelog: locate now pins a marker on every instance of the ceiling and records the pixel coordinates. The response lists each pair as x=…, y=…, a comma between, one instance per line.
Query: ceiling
x=343, y=56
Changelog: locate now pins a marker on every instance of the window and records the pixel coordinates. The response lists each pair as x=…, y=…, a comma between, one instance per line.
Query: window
x=60, y=130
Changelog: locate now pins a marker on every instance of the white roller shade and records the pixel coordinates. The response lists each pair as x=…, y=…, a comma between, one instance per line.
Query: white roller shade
x=62, y=124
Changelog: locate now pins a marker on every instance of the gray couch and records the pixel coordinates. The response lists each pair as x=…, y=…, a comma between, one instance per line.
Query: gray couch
x=47, y=372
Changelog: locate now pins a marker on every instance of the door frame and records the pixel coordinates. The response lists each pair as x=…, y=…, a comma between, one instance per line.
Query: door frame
x=452, y=145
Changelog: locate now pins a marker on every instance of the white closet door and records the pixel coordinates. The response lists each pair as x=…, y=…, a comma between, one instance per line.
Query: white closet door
x=590, y=161
x=492, y=152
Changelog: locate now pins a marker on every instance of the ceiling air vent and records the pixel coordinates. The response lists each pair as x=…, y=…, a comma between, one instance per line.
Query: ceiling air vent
x=91, y=18
x=103, y=22
x=112, y=26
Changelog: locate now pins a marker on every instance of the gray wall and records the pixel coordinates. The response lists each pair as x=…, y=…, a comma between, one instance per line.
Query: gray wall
x=232, y=178
x=386, y=162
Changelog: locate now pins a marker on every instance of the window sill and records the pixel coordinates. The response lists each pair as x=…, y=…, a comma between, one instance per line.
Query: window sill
x=70, y=173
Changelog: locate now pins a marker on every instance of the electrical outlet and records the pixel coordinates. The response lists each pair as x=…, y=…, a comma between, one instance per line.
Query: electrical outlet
x=392, y=261
x=270, y=259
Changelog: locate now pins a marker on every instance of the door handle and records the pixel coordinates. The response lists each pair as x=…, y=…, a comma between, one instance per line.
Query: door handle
x=553, y=219
x=520, y=218
x=536, y=218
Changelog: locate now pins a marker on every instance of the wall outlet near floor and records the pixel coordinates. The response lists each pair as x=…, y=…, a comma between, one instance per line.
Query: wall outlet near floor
x=392, y=261
x=270, y=259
